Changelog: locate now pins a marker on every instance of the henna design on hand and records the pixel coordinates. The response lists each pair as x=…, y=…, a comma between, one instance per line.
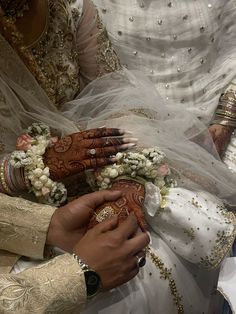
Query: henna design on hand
x=221, y=137
x=63, y=145
x=131, y=201
x=72, y=154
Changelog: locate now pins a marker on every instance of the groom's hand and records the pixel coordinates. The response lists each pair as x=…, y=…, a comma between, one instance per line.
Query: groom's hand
x=69, y=223
x=113, y=249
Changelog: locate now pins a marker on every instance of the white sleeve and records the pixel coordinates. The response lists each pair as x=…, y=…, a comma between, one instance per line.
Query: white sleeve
x=194, y=224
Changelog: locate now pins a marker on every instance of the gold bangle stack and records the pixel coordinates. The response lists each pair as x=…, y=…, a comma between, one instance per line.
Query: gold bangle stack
x=226, y=111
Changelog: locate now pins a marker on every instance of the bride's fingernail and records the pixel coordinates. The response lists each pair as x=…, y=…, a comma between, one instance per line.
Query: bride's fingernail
x=130, y=140
x=122, y=131
x=129, y=145
x=128, y=133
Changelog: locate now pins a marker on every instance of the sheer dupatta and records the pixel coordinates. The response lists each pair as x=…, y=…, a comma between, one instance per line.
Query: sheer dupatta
x=22, y=101
x=124, y=99
x=127, y=100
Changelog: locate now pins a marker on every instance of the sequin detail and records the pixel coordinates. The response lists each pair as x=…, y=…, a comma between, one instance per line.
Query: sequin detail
x=165, y=274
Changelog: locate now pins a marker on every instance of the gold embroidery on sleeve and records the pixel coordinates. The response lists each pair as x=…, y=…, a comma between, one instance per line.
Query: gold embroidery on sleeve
x=107, y=59
x=56, y=286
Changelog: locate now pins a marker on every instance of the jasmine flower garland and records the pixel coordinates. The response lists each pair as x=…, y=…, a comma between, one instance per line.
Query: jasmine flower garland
x=31, y=147
x=148, y=164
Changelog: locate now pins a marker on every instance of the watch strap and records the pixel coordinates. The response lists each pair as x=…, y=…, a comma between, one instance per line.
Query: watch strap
x=92, y=279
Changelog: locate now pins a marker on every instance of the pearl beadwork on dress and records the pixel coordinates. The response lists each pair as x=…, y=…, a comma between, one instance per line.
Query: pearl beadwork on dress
x=177, y=43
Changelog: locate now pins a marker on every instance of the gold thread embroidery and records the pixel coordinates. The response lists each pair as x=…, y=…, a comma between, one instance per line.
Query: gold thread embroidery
x=165, y=274
x=2, y=147
x=107, y=60
x=143, y=113
x=189, y=233
x=105, y=213
x=223, y=244
x=51, y=60
x=56, y=53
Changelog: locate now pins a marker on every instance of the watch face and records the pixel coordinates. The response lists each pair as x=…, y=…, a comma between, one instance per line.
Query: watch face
x=92, y=280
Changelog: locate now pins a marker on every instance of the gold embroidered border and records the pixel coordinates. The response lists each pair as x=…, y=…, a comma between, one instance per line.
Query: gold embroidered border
x=107, y=59
x=224, y=242
x=166, y=275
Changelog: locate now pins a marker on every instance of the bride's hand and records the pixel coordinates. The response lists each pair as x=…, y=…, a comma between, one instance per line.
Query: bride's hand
x=221, y=137
x=69, y=223
x=85, y=150
x=132, y=199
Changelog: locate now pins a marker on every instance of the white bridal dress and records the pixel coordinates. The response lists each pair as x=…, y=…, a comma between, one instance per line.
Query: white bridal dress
x=193, y=233
x=186, y=48
x=191, y=236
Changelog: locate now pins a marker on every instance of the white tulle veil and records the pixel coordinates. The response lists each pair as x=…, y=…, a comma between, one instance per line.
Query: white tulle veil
x=22, y=101
x=143, y=44
x=125, y=100
x=128, y=100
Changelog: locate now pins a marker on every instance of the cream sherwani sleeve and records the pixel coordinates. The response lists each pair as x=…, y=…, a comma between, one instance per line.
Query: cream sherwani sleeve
x=23, y=226
x=56, y=286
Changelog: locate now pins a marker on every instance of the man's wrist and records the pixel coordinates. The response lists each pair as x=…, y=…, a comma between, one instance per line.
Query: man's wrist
x=54, y=226
x=92, y=279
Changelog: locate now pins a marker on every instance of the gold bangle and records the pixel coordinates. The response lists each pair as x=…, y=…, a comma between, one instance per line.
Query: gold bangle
x=227, y=106
x=2, y=177
x=226, y=113
x=228, y=96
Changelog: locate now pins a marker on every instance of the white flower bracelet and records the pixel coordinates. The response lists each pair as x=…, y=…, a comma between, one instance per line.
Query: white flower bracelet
x=148, y=164
x=31, y=148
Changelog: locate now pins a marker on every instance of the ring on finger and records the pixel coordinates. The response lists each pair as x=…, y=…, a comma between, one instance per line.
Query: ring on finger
x=92, y=152
x=141, y=261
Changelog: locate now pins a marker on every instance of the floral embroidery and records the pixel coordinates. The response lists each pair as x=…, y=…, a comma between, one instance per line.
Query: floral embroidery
x=26, y=235
x=61, y=289
x=56, y=54
x=107, y=60
x=54, y=60
x=165, y=274
x=14, y=293
x=223, y=242
x=143, y=112
x=105, y=213
x=8, y=230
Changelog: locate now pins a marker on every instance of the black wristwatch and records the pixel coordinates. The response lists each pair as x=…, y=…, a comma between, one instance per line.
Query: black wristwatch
x=92, y=279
